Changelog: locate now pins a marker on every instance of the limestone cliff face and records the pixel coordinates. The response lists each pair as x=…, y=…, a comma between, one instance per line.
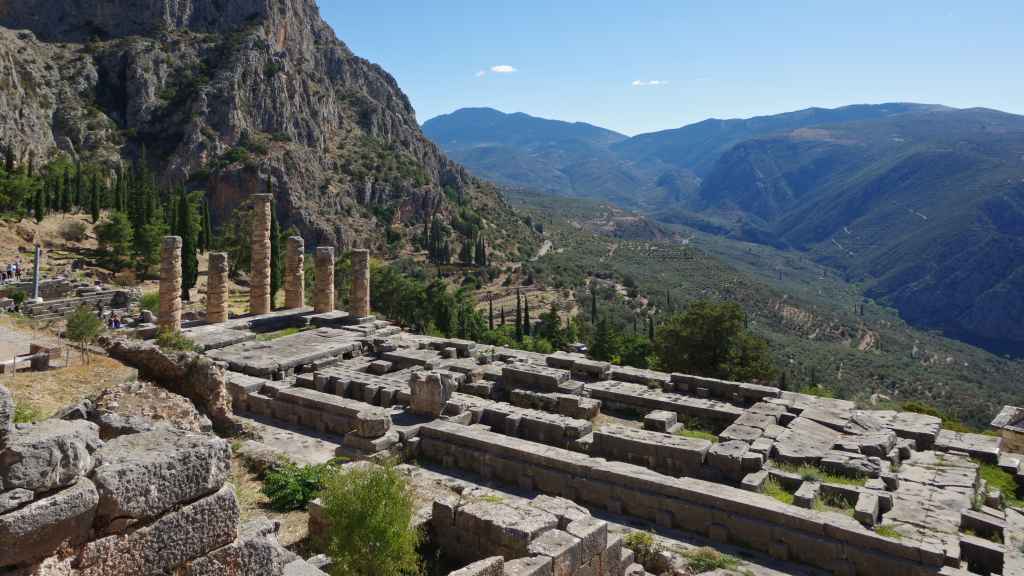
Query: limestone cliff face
x=223, y=93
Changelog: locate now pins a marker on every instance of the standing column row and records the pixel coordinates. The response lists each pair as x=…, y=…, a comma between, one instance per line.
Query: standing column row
x=294, y=274
x=217, y=288
x=324, y=299
x=170, y=284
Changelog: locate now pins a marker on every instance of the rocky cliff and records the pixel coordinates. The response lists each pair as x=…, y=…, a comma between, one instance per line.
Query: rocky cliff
x=220, y=94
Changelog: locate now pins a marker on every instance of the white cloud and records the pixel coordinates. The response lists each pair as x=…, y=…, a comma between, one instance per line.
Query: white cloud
x=481, y=73
x=502, y=69
x=649, y=82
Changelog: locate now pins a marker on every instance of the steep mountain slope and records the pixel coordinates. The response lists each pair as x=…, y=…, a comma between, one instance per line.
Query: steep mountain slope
x=924, y=207
x=563, y=158
x=223, y=93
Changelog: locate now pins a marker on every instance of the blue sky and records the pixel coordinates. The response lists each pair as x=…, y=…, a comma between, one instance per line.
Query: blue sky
x=638, y=66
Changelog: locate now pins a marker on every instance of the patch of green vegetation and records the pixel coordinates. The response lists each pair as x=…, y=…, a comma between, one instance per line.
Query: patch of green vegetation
x=825, y=503
x=999, y=479
x=492, y=498
x=772, y=488
x=699, y=434
x=808, y=472
x=888, y=531
x=279, y=334
x=707, y=559
x=25, y=413
x=150, y=301
x=171, y=340
x=644, y=547
x=292, y=487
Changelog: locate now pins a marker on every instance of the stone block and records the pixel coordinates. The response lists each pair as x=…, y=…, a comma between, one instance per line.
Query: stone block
x=727, y=457
x=430, y=392
x=42, y=527
x=141, y=476
x=493, y=566
x=48, y=455
x=173, y=539
x=529, y=566
x=866, y=509
x=982, y=556
x=660, y=421
x=806, y=494
x=379, y=367
x=563, y=548
x=754, y=480
x=593, y=535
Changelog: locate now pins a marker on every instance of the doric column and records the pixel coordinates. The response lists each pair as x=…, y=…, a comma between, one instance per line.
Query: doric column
x=359, y=295
x=259, y=281
x=170, y=284
x=217, y=288
x=324, y=298
x=294, y=274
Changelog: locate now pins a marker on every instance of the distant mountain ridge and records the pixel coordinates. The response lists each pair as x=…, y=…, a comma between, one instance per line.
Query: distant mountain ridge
x=922, y=203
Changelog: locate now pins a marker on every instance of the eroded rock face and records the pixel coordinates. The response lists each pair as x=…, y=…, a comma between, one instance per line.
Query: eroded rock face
x=6, y=416
x=141, y=476
x=48, y=455
x=272, y=79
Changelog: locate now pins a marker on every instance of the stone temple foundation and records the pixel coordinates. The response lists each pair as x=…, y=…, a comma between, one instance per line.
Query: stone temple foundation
x=259, y=291
x=359, y=297
x=324, y=298
x=217, y=288
x=294, y=273
x=170, y=284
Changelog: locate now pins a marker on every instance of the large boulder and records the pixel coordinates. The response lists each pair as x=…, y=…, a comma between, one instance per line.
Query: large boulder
x=42, y=527
x=141, y=476
x=48, y=455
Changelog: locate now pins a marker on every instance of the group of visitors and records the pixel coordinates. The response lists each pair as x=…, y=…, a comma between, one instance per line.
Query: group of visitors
x=11, y=272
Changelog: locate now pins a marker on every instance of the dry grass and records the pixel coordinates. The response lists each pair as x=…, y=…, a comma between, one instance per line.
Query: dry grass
x=253, y=504
x=47, y=392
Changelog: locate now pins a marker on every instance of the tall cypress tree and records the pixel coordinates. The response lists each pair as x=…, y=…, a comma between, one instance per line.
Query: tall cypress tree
x=519, y=318
x=186, y=229
x=650, y=328
x=94, y=203
x=502, y=314
x=65, y=193
x=276, y=268
x=593, y=306
x=527, y=327
x=39, y=204
x=79, y=186
x=490, y=314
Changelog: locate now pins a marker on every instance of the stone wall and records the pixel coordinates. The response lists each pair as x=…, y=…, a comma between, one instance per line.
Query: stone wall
x=829, y=541
x=148, y=503
x=193, y=376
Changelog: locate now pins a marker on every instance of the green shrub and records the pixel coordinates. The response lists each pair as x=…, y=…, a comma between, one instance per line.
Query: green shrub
x=291, y=487
x=25, y=413
x=73, y=230
x=19, y=297
x=150, y=301
x=706, y=559
x=643, y=546
x=171, y=340
x=775, y=490
x=84, y=327
x=999, y=479
x=370, y=512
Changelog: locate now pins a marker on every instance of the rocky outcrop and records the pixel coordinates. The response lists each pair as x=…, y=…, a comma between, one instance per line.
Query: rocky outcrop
x=193, y=376
x=148, y=503
x=223, y=95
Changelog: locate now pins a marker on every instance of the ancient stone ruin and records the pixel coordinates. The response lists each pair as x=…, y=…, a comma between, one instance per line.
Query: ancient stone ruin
x=294, y=273
x=539, y=461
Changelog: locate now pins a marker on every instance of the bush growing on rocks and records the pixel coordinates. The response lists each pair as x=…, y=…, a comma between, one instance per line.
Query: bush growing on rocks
x=170, y=340
x=643, y=546
x=73, y=230
x=370, y=511
x=291, y=487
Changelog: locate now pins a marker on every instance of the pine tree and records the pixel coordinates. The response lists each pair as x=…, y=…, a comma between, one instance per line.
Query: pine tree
x=527, y=326
x=465, y=254
x=94, y=204
x=187, y=231
x=519, y=318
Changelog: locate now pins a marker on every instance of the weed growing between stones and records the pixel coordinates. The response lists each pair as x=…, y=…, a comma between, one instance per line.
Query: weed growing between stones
x=292, y=487
x=813, y=473
x=706, y=559
x=772, y=488
x=999, y=479
x=25, y=413
x=643, y=546
x=888, y=531
x=279, y=334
